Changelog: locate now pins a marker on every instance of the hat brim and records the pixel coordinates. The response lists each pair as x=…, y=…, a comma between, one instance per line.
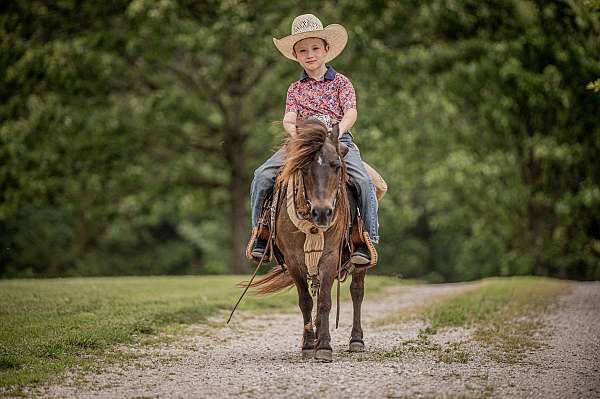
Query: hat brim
x=335, y=35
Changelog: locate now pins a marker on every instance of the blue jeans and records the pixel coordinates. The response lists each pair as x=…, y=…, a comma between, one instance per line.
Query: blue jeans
x=264, y=180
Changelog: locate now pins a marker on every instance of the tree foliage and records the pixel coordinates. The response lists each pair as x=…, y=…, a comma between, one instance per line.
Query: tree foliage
x=130, y=130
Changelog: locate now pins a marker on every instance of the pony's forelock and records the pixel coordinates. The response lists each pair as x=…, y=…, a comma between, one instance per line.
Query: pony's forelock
x=301, y=148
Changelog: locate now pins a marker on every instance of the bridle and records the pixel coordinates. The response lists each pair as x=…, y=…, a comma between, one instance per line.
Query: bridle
x=337, y=190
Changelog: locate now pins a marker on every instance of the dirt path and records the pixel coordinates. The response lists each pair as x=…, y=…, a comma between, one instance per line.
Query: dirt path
x=259, y=357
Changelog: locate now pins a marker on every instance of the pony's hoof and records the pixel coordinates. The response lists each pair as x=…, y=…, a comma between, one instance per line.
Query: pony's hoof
x=356, y=346
x=324, y=355
x=308, y=353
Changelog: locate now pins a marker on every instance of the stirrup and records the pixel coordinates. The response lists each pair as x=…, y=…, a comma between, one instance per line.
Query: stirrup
x=360, y=237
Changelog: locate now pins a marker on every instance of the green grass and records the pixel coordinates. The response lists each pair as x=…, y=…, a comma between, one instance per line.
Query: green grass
x=504, y=313
x=49, y=325
x=412, y=348
x=496, y=297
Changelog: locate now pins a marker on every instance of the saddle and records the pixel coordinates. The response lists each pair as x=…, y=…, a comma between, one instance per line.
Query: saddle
x=355, y=236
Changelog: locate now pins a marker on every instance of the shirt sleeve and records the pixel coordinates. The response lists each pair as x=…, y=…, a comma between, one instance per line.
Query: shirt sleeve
x=291, y=101
x=347, y=94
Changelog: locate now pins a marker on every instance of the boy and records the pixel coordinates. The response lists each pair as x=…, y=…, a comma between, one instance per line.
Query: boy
x=329, y=96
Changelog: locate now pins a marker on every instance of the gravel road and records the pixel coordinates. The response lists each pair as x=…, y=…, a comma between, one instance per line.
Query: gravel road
x=259, y=357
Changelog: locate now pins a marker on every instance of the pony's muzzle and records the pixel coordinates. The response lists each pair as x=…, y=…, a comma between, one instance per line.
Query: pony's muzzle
x=321, y=215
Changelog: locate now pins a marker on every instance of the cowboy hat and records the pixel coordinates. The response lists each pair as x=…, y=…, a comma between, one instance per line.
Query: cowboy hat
x=308, y=25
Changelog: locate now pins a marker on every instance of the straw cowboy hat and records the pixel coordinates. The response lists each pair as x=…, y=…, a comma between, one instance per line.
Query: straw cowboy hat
x=308, y=25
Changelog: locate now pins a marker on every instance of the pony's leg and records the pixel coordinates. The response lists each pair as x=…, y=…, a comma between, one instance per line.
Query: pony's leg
x=323, y=349
x=357, y=291
x=305, y=303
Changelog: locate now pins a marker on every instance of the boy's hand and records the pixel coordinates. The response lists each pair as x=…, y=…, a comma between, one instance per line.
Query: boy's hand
x=348, y=120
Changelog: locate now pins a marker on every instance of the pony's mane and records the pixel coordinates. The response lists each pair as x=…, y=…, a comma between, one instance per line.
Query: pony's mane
x=301, y=148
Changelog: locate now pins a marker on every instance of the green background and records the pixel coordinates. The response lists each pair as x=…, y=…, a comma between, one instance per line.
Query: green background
x=130, y=131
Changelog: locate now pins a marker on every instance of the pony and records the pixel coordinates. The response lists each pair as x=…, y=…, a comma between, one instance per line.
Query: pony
x=311, y=225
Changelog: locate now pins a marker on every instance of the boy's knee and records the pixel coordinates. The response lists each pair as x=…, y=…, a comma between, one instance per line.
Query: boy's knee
x=264, y=176
x=361, y=179
x=258, y=173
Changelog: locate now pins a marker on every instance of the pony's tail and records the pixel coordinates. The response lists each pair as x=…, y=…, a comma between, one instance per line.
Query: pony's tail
x=275, y=280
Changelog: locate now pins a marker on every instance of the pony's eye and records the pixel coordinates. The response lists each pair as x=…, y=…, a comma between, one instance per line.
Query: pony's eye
x=335, y=164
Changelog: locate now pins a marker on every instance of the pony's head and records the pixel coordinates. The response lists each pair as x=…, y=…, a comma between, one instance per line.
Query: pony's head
x=319, y=155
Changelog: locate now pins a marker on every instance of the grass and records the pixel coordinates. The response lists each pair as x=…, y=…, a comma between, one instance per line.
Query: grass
x=411, y=348
x=505, y=314
x=50, y=325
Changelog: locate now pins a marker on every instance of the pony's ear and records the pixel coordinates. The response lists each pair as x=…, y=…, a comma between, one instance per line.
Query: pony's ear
x=335, y=131
x=342, y=149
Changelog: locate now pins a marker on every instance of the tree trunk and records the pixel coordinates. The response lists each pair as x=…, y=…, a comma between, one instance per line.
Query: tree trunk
x=238, y=192
x=235, y=154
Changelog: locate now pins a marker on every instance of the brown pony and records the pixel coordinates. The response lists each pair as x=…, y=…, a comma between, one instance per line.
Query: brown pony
x=317, y=156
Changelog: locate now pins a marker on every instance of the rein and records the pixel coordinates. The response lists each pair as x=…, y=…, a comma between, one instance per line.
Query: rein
x=262, y=259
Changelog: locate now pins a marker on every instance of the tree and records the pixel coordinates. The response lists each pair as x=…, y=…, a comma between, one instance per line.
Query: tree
x=130, y=131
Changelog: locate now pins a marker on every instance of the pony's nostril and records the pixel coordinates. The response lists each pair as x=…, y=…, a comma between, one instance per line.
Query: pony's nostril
x=329, y=212
x=314, y=213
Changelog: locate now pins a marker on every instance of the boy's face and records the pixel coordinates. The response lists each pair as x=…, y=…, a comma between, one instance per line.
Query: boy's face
x=311, y=52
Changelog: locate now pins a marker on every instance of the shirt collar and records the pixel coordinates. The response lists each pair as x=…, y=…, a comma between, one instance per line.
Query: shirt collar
x=329, y=75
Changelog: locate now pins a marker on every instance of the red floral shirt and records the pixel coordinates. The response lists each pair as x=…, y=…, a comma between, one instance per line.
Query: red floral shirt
x=331, y=96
